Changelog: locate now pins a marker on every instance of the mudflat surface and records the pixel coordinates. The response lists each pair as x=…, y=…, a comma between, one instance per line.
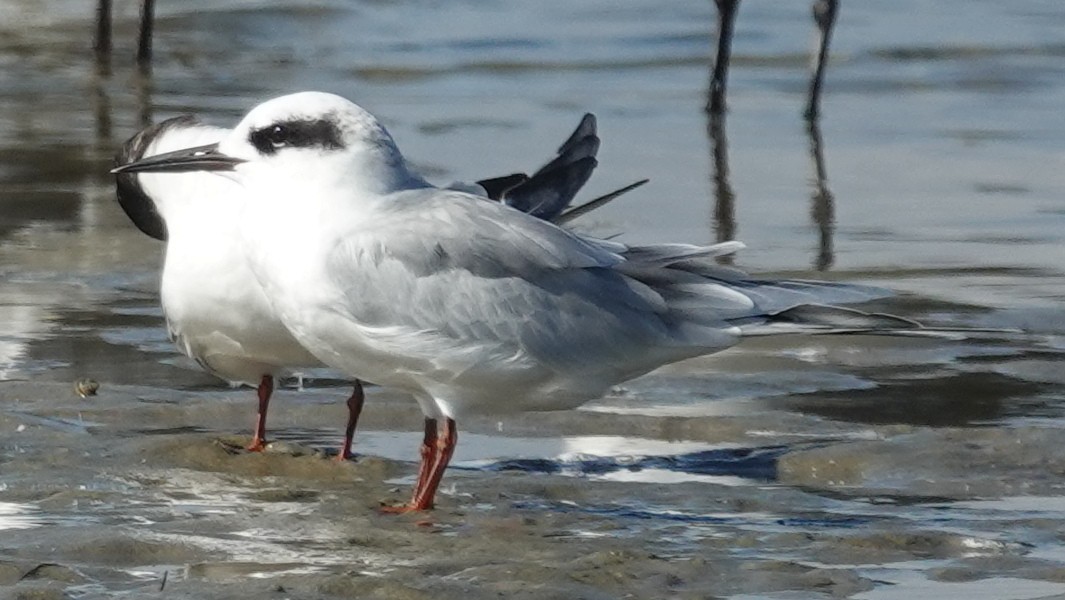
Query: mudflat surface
x=109, y=495
x=874, y=469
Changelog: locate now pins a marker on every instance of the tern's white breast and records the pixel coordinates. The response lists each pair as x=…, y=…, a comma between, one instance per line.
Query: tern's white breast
x=218, y=314
x=215, y=309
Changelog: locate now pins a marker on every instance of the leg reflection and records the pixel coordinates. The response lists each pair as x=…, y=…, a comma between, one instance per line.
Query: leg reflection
x=724, y=200
x=101, y=107
x=822, y=204
x=142, y=87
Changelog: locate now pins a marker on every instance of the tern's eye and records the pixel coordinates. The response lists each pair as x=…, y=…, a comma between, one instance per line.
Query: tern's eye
x=313, y=133
x=271, y=138
x=277, y=136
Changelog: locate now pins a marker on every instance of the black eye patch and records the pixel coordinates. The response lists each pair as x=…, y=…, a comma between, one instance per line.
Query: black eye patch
x=316, y=133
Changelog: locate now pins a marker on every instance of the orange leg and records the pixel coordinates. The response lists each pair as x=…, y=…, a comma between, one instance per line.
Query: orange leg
x=355, y=402
x=427, y=452
x=445, y=448
x=436, y=454
x=258, y=439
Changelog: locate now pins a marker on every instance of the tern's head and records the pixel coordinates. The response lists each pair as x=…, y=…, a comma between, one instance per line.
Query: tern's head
x=309, y=136
x=158, y=203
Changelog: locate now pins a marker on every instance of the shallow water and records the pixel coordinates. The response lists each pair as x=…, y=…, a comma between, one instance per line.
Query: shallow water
x=786, y=468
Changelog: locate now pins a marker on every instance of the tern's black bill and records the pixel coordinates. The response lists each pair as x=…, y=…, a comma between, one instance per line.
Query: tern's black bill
x=200, y=158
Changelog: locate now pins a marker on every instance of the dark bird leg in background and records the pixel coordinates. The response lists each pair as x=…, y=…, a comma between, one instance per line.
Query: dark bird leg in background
x=102, y=39
x=144, y=40
x=143, y=79
x=825, y=12
x=726, y=18
x=822, y=204
x=101, y=43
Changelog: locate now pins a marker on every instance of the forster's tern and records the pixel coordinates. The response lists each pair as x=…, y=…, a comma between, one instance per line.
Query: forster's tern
x=215, y=309
x=472, y=306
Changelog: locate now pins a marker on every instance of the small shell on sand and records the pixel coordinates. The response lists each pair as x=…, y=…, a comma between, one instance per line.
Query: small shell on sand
x=86, y=387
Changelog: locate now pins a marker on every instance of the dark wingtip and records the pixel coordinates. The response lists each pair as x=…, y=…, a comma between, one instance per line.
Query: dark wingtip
x=497, y=187
x=550, y=191
x=595, y=203
x=588, y=127
x=135, y=202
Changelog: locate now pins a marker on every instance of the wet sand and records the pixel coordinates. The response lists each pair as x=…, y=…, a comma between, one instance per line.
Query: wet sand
x=105, y=496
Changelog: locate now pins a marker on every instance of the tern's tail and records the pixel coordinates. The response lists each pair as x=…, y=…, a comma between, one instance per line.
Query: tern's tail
x=701, y=296
x=817, y=319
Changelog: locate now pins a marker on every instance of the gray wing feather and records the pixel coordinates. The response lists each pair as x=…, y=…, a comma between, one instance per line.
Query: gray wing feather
x=431, y=230
x=450, y=275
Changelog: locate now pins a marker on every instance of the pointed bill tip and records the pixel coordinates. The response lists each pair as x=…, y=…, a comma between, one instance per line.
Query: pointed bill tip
x=199, y=158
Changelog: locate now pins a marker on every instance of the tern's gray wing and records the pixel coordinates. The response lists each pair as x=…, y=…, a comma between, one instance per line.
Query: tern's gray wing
x=483, y=281
x=434, y=230
x=472, y=283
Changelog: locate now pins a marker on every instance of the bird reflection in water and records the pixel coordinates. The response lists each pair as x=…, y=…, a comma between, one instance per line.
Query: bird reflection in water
x=822, y=201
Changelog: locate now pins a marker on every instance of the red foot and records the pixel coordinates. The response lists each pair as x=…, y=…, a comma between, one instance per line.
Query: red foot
x=403, y=509
x=343, y=457
x=258, y=439
x=256, y=446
